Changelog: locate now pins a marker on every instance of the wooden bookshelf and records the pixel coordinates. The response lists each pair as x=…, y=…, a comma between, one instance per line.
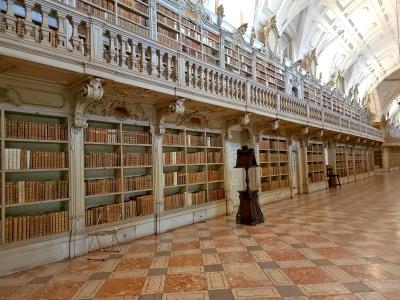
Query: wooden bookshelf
x=274, y=166
x=191, y=38
x=341, y=160
x=132, y=15
x=168, y=27
x=35, y=176
x=370, y=160
x=193, y=168
x=118, y=172
x=211, y=44
x=359, y=159
x=238, y=60
x=261, y=71
x=378, y=158
x=310, y=93
x=316, y=162
x=350, y=161
x=394, y=158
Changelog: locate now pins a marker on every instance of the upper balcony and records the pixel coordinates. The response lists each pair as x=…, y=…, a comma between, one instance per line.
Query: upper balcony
x=177, y=50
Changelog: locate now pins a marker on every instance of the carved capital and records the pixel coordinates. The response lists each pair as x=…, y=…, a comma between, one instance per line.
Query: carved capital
x=90, y=91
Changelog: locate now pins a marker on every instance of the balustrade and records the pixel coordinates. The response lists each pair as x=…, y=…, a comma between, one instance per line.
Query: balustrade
x=61, y=31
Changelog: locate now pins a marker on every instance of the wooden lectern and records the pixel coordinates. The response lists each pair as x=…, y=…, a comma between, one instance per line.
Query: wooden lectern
x=249, y=212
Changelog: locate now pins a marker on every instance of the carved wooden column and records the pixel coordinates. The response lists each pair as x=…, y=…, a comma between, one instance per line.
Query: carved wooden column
x=89, y=92
x=386, y=158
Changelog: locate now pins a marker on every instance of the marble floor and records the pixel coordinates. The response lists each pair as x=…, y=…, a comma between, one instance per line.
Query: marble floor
x=338, y=244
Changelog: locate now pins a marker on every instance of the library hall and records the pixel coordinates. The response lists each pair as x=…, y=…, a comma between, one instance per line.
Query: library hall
x=200, y=149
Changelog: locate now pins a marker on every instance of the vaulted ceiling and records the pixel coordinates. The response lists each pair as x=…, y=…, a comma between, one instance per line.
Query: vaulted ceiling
x=359, y=38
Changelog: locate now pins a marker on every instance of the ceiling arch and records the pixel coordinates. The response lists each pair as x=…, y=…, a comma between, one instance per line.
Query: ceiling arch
x=359, y=38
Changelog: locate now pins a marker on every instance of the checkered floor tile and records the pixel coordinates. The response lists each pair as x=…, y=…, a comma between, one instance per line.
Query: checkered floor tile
x=337, y=244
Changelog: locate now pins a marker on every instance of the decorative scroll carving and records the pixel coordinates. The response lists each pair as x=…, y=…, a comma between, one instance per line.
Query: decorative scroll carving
x=243, y=121
x=303, y=131
x=176, y=107
x=310, y=63
x=118, y=109
x=91, y=91
x=257, y=129
x=192, y=119
x=240, y=31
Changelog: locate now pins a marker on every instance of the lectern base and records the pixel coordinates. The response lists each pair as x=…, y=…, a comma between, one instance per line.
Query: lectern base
x=249, y=212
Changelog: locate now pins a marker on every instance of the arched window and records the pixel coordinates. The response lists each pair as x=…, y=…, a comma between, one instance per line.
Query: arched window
x=19, y=9
x=36, y=15
x=3, y=6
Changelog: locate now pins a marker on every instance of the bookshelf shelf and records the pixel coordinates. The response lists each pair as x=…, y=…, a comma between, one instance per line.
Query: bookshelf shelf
x=35, y=176
x=36, y=170
x=341, y=160
x=273, y=159
x=316, y=162
x=36, y=202
x=126, y=149
x=188, y=183
x=36, y=141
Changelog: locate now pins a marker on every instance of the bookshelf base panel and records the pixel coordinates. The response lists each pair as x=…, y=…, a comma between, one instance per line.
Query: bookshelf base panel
x=273, y=196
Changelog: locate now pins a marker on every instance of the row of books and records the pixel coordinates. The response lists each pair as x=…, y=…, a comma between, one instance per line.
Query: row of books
x=22, y=159
x=136, y=5
x=20, y=228
x=274, y=170
x=131, y=16
x=315, y=157
x=102, y=159
x=273, y=144
x=136, y=206
x=102, y=186
x=315, y=148
x=137, y=183
x=214, y=141
x=186, y=199
x=190, y=43
x=173, y=202
x=36, y=130
x=174, y=158
x=136, y=137
x=169, y=22
x=168, y=42
x=194, y=140
x=132, y=27
x=216, y=194
x=214, y=157
x=196, y=198
x=94, y=11
x=34, y=191
x=316, y=177
x=214, y=175
x=106, y=4
x=316, y=167
x=274, y=185
x=167, y=12
x=170, y=138
x=174, y=178
x=196, y=157
x=102, y=135
x=137, y=159
x=197, y=177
